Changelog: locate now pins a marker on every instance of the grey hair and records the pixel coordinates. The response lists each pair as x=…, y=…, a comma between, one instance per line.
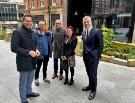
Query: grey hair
x=86, y=17
x=41, y=22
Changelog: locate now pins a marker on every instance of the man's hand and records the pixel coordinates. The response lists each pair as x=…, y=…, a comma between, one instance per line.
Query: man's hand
x=37, y=52
x=32, y=53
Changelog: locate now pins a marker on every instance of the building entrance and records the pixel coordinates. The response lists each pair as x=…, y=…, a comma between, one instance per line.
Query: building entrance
x=76, y=11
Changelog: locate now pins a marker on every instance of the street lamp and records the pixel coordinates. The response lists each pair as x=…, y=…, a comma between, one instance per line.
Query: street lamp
x=49, y=13
x=132, y=21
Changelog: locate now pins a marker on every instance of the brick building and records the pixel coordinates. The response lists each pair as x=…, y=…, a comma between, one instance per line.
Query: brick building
x=10, y=14
x=48, y=10
x=113, y=13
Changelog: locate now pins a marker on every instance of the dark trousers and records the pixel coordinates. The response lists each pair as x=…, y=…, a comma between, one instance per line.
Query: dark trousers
x=91, y=64
x=72, y=73
x=56, y=67
x=38, y=66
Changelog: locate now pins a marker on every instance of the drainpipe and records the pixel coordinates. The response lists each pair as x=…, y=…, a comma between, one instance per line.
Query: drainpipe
x=132, y=21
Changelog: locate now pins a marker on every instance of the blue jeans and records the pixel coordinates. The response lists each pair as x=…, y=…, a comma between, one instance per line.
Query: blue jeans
x=25, y=84
x=56, y=67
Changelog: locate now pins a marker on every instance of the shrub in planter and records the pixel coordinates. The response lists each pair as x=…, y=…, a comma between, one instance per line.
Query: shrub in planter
x=2, y=34
x=118, y=54
x=119, y=50
x=7, y=37
x=107, y=38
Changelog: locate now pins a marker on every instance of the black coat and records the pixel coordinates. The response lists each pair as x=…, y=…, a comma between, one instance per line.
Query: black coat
x=69, y=46
x=22, y=42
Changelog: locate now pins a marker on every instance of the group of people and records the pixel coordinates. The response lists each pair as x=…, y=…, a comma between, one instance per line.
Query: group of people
x=33, y=48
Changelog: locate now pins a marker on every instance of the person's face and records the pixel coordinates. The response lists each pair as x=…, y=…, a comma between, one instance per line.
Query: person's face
x=41, y=27
x=87, y=23
x=69, y=32
x=27, y=22
x=58, y=24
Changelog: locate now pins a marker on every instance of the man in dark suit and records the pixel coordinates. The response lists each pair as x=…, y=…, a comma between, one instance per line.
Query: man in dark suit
x=24, y=45
x=92, y=48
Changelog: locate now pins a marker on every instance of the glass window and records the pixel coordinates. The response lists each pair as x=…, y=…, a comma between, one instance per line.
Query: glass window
x=26, y=5
x=53, y=2
x=42, y=3
x=5, y=9
x=9, y=9
x=33, y=4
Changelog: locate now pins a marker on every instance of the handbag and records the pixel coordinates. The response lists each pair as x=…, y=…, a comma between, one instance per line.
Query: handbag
x=64, y=64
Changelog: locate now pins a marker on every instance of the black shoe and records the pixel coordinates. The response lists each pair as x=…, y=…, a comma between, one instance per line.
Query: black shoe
x=46, y=80
x=33, y=94
x=54, y=76
x=71, y=82
x=36, y=82
x=92, y=95
x=66, y=81
x=86, y=88
x=25, y=102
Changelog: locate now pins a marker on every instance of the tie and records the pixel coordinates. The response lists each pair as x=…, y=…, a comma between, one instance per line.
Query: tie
x=87, y=34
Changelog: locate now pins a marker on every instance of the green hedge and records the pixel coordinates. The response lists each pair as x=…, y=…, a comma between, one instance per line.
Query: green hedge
x=2, y=33
x=117, y=49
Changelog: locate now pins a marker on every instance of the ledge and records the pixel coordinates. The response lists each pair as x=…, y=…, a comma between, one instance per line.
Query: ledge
x=112, y=59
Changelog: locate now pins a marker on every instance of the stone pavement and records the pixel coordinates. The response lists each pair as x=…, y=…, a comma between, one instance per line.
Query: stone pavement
x=116, y=84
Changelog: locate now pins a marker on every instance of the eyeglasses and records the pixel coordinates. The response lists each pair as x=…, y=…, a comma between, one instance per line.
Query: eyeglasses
x=57, y=23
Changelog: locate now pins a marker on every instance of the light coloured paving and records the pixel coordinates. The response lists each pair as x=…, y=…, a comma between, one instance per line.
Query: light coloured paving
x=116, y=83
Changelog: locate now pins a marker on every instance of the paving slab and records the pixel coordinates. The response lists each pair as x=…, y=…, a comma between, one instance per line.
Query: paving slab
x=116, y=83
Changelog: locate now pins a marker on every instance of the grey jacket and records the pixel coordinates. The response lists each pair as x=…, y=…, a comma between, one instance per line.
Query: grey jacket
x=58, y=42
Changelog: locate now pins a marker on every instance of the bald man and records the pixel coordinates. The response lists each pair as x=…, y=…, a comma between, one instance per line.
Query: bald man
x=58, y=41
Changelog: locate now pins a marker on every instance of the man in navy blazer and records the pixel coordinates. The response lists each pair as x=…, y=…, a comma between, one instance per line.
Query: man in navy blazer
x=92, y=49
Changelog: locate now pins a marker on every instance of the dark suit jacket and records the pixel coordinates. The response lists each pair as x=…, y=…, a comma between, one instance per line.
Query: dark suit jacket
x=93, y=44
x=22, y=42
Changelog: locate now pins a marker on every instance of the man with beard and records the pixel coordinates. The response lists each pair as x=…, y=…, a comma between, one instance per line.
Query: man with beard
x=58, y=41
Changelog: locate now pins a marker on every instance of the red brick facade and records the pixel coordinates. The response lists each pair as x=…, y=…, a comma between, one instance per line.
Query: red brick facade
x=37, y=3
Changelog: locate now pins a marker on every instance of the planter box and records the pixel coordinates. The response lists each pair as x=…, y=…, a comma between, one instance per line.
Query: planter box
x=131, y=62
x=7, y=37
x=106, y=58
x=111, y=59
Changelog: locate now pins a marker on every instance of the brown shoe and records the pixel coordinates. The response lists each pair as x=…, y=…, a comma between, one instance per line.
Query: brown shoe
x=54, y=76
x=60, y=77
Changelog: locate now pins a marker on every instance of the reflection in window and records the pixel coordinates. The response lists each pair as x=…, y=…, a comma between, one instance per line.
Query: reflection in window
x=42, y=3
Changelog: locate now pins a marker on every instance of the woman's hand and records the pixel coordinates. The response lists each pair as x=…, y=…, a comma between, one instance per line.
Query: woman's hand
x=63, y=58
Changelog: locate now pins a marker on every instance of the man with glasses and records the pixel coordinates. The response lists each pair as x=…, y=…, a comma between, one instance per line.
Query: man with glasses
x=58, y=41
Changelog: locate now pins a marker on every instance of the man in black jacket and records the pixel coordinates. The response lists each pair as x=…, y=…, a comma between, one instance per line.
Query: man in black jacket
x=24, y=45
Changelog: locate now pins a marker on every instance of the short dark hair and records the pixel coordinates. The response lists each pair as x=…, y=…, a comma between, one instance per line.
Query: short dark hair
x=27, y=15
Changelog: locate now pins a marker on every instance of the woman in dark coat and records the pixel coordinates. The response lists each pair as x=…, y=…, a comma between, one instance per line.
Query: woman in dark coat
x=68, y=57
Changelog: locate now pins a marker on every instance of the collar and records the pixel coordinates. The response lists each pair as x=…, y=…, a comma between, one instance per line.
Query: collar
x=89, y=29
